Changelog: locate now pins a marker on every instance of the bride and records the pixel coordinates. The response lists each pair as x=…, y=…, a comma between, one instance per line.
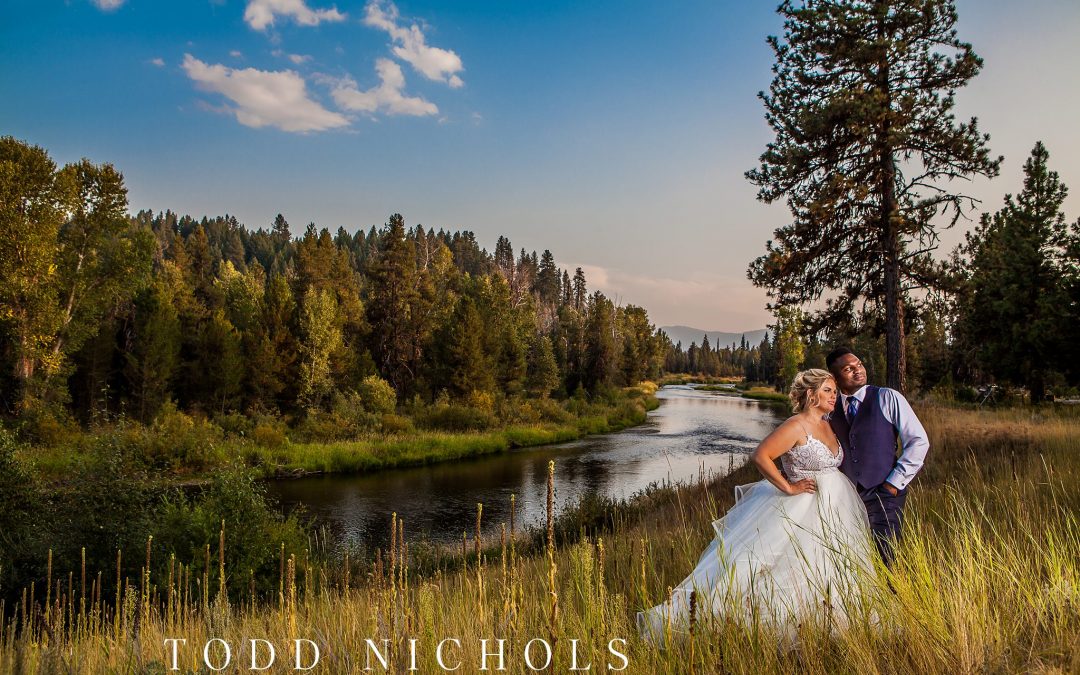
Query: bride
x=794, y=544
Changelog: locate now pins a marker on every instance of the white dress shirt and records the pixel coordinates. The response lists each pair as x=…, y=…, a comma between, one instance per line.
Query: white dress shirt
x=913, y=440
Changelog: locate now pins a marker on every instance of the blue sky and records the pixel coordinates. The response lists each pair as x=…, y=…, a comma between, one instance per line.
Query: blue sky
x=614, y=133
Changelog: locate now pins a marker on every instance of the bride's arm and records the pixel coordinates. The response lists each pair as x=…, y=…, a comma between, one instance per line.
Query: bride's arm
x=782, y=439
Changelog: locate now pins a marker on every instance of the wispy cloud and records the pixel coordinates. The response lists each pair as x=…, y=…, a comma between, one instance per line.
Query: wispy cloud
x=298, y=59
x=410, y=45
x=260, y=14
x=236, y=54
x=108, y=5
x=387, y=97
x=264, y=98
x=159, y=62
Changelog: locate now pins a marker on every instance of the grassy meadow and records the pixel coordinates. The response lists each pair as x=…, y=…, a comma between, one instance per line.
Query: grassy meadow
x=987, y=580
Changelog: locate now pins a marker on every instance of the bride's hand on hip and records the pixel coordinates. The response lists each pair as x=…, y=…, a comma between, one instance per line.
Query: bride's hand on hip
x=801, y=486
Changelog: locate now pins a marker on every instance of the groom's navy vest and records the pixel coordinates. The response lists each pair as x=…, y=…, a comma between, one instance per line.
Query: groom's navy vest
x=869, y=441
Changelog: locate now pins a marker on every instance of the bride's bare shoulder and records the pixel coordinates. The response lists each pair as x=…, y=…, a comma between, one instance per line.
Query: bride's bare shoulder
x=792, y=428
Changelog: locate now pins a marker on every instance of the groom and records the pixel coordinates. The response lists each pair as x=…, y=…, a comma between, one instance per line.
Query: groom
x=868, y=420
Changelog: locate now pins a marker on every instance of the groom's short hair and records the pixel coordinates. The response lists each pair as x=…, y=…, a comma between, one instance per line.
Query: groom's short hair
x=835, y=355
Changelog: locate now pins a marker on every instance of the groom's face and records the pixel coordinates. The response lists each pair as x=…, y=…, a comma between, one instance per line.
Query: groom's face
x=849, y=373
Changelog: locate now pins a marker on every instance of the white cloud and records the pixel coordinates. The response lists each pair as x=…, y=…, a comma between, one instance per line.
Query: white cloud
x=260, y=14
x=108, y=5
x=159, y=62
x=264, y=98
x=410, y=45
x=298, y=59
x=386, y=97
x=236, y=54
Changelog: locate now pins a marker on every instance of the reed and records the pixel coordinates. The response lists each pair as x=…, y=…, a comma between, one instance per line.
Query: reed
x=987, y=579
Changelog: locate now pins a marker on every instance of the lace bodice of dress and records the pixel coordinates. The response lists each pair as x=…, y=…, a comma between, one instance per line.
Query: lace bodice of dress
x=810, y=458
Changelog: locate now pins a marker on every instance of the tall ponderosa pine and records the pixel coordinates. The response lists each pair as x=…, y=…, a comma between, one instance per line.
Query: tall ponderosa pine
x=1015, y=315
x=866, y=142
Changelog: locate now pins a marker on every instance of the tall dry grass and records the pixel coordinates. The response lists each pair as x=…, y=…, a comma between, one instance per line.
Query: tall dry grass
x=987, y=579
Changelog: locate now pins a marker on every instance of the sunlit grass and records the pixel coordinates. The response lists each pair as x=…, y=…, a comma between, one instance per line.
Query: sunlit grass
x=987, y=579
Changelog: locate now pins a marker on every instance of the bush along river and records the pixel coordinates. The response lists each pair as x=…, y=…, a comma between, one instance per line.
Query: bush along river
x=689, y=433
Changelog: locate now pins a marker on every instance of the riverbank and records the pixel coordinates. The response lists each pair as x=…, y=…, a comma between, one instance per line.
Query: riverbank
x=729, y=386
x=185, y=450
x=987, y=579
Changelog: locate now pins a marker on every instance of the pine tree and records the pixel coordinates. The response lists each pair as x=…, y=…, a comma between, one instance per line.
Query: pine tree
x=601, y=357
x=392, y=296
x=862, y=106
x=461, y=360
x=543, y=372
x=547, y=280
x=223, y=362
x=154, y=356
x=1017, y=316
x=580, y=290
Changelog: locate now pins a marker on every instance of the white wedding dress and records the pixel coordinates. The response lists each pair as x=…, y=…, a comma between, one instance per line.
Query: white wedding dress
x=776, y=557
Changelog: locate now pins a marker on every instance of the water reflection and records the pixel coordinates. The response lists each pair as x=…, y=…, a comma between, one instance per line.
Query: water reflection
x=690, y=431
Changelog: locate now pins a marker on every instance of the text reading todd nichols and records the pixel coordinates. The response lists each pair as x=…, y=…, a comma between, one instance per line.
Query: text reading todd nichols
x=448, y=654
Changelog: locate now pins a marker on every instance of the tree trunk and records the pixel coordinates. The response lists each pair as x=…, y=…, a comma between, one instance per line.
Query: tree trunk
x=895, y=361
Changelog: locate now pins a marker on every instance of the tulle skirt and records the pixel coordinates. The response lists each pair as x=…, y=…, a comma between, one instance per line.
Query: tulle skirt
x=776, y=558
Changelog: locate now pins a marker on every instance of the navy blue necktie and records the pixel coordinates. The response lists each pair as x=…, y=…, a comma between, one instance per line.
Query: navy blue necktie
x=852, y=408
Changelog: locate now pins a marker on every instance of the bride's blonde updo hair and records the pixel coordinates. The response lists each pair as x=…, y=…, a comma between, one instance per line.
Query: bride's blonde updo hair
x=805, y=386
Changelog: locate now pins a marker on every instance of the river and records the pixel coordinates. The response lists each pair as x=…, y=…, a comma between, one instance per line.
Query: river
x=691, y=431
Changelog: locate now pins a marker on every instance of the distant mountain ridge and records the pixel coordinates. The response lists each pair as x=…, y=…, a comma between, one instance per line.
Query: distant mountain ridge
x=687, y=334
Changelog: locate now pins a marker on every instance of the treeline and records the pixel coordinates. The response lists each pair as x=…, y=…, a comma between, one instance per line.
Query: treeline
x=102, y=313
x=715, y=361
x=1003, y=309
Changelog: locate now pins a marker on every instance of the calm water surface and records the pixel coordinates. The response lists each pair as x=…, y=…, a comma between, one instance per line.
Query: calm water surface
x=691, y=430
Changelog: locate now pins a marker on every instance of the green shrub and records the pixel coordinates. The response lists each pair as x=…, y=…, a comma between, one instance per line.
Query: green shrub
x=20, y=507
x=322, y=427
x=269, y=433
x=42, y=424
x=455, y=418
x=377, y=395
x=177, y=439
x=254, y=532
x=395, y=424
x=234, y=424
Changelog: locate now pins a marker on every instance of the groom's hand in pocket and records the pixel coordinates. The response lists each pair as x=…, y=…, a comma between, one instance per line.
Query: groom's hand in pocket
x=890, y=488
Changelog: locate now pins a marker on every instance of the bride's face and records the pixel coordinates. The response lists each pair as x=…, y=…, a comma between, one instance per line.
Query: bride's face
x=826, y=396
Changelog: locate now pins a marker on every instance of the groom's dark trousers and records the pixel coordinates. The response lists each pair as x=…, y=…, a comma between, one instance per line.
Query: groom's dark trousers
x=869, y=442
x=885, y=513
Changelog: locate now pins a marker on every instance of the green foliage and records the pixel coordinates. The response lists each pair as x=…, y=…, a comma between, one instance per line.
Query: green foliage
x=789, y=344
x=20, y=504
x=177, y=439
x=254, y=532
x=109, y=506
x=224, y=321
x=542, y=372
x=154, y=356
x=455, y=417
x=377, y=395
x=1015, y=311
x=322, y=337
